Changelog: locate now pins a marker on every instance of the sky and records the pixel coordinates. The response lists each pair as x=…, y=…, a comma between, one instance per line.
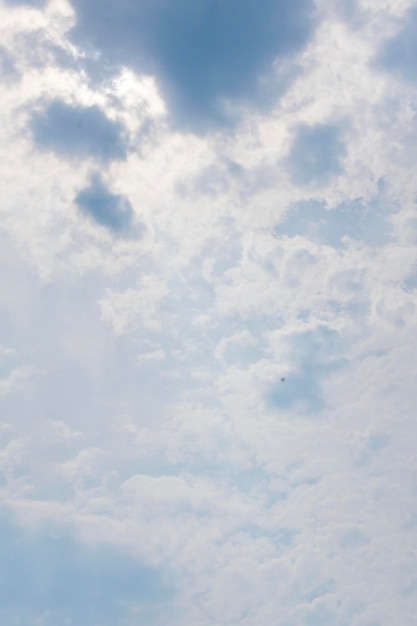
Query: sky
x=208, y=313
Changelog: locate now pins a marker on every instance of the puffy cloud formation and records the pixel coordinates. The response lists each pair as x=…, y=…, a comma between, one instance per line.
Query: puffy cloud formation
x=208, y=313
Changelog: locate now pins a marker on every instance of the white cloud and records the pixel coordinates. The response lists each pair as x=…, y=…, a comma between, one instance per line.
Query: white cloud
x=16, y=380
x=124, y=310
x=159, y=420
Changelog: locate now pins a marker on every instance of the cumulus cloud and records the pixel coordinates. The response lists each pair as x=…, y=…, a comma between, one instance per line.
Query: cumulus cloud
x=16, y=379
x=79, y=131
x=158, y=424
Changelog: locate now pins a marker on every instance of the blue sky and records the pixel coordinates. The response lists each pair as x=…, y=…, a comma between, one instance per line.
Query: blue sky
x=208, y=285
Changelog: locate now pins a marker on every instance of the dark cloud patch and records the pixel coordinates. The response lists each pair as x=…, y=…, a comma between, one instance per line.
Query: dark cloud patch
x=314, y=354
x=399, y=54
x=113, y=211
x=315, y=154
x=201, y=52
x=49, y=573
x=355, y=220
x=78, y=132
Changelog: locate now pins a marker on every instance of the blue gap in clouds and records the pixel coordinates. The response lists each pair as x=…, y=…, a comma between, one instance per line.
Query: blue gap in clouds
x=113, y=211
x=7, y=67
x=315, y=154
x=399, y=54
x=299, y=391
x=47, y=572
x=32, y=3
x=201, y=52
x=410, y=282
x=360, y=222
x=78, y=132
x=314, y=354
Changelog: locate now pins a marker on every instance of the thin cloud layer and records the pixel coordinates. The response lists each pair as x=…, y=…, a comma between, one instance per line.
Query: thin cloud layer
x=78, y=132
x=202, y=54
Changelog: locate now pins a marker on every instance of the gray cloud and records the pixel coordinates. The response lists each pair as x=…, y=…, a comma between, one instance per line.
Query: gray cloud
x=110, y=210
x=78, y=132
x=201, y=52
x=315, y=154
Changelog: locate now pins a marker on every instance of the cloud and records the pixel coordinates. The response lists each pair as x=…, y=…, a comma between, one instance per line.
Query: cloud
x=78, y=132
x=201, y=53
x=125, y=309
x=157, y=420
x=16, y=379
x=113, y=211
x=315, y=154
x=398, y=55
